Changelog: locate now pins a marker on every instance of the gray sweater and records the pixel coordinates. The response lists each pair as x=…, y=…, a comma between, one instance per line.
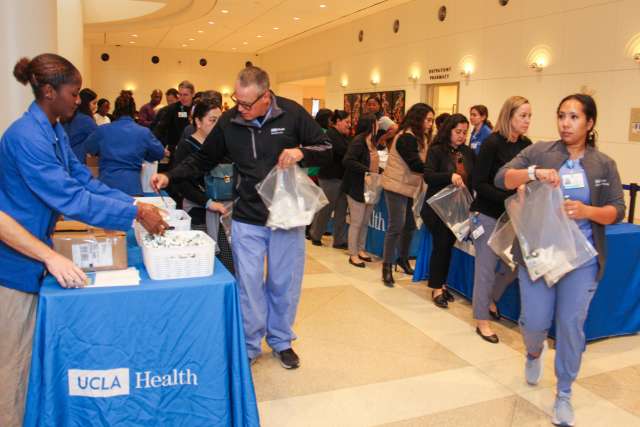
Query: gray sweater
x=602, y=175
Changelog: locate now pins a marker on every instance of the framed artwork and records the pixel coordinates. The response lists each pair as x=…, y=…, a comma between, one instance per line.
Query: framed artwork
x=392, y=103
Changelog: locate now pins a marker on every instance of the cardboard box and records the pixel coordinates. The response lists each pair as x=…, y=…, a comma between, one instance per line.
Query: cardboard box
x=91, y=249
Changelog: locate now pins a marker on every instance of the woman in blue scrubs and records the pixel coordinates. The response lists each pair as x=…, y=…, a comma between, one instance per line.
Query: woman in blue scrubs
x=82, y=124
x=122, y=146
x=591, y=185
x=41, y=179
x=482, y=128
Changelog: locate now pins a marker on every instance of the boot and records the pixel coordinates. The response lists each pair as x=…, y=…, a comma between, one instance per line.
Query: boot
x=387, y=276
x=403, y=263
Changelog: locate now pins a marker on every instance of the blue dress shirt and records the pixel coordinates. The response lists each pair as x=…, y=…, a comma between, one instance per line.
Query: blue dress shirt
x=78, y=130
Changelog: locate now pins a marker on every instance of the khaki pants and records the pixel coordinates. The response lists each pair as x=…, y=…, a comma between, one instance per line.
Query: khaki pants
x=17, y=322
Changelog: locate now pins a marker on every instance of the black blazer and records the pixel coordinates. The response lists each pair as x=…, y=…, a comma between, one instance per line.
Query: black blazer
x=356, y=163
x=339, y=143
x=440, y=167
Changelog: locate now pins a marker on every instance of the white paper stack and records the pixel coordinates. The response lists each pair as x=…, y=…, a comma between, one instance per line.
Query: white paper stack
x=103, y=279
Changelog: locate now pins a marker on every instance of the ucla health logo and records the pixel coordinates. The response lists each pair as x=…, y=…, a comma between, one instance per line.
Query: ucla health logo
x=116, y=382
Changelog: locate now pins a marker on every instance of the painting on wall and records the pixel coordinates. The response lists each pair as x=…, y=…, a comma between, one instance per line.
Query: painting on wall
x=392, y=103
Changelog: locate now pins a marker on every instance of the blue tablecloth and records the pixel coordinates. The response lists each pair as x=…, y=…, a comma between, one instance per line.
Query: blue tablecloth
x=615, y=309
x=378, y=228
x=165, y=353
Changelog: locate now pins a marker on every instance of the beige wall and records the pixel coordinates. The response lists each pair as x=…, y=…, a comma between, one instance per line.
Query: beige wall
x=71, y=32
x=131, y=68
x=589, y=41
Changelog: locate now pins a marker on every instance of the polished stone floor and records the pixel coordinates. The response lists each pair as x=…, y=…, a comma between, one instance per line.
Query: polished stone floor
x=377, y=356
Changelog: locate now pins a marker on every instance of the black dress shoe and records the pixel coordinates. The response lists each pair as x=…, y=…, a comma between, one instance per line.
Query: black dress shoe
x=495, y=314
x=403, y=263
x=356, y=264
x=316, y=242
x=387, y=276
x=365, y=258
x=493, y=339
x=440, y=300
x=448, y=295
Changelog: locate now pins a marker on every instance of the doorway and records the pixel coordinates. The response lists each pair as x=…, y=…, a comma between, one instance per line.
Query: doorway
x=442, y=97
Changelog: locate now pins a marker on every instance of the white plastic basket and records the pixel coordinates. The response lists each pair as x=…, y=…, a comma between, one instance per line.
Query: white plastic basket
x=180, y=262
x=178, y=219
x=157, y=201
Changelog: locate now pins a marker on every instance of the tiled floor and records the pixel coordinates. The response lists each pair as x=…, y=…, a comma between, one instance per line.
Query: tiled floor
x=377, y=356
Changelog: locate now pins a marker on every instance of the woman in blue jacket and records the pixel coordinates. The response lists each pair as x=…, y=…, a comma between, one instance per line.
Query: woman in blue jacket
x=40, y=179
x=122, y=147
x=82, y=124
x=482, y=128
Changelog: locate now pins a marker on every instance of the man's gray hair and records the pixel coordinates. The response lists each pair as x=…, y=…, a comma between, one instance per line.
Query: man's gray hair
x=254, y=76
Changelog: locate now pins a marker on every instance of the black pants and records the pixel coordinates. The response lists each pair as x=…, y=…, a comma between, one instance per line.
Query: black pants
x=442, y=240
x=401, y=227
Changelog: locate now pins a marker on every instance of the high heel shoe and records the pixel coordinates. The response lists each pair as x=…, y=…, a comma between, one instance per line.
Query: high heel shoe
x=403, y=263
x=493, y=339
x=440, y=300
x=356, y=264
x=387, y=276
x=448, y=295
x=495, y=314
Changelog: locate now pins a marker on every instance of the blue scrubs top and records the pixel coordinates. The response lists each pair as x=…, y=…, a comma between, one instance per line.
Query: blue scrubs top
x=41, y=178
x=122, y=146
x=78, y=129
x=477, y=138
x=581, y=193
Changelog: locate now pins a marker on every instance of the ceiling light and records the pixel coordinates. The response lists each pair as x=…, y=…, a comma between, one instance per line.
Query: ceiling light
x=224, y=11
x=210, y=22
x=184, y=45
x=259, y=36
x=132, y=42
x=322, y=6
x=276, y=28
x=234, y=48
x=200, y=31
x=134, y=35
x=191, y=39
x=295, y=18
x=245, y=43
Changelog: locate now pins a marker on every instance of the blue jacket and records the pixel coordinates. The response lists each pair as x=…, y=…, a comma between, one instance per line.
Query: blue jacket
x=78, y=129
x=122, y=146
x=478, y=138
x=41, y=178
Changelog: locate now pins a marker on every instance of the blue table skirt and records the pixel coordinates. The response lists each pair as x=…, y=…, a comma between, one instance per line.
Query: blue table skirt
x=192, y=326
x=615, y=309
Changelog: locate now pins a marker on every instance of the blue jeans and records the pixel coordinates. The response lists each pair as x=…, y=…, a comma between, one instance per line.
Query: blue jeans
x=268, y=305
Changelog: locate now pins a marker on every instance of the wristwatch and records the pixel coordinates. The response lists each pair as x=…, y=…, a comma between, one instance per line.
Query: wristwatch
x=531, y=170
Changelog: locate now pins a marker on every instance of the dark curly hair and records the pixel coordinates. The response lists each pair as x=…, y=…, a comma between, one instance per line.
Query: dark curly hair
x=444, y=135
x=124, y=106
x=414, y=121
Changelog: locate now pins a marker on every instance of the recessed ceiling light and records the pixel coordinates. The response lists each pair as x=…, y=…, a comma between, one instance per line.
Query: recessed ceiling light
x=245, y=43
x=132, y=42
x=184, y=45
x=134, y=35
x=295, y=18
x=259, y=36
x=191, y=39
x=200, y=31
x=234, y=48
x=224, y=11
x=322, y=6
x=276, y=28
x=210, y=22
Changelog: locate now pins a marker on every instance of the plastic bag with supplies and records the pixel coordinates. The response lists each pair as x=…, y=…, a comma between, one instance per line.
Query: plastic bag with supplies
x=291, y=197
x=502, y=239
x=418, y=203
x=225, y=219
x=551, y=243
x=372, y=188
x=452, y=204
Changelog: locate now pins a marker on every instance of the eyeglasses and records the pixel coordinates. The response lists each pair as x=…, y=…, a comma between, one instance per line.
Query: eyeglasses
x=246, y=105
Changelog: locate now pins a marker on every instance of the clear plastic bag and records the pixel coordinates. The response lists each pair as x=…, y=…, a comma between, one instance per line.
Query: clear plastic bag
x=551, y=243
x=291, y=197
x=225, y=219
x=501, y=240
x=372, y=188
x=418, y=203
x=146, y=171
x=452, y=204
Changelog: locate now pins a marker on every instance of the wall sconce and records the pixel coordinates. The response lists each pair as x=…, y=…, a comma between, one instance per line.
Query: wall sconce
x=225, y=91
x=414, y=77
x=344, y=83
x=538, y=65
x=636, y=58
x=467, y=70
x=375, y=80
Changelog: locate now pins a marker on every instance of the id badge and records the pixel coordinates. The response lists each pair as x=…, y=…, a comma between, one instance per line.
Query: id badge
x=479, y=231
x=183, y=114
x=573, y=180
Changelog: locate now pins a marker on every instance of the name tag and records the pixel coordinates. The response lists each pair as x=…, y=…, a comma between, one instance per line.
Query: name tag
x=477, y=232
x=183, y=114
x=277, y=131
x=573, y=180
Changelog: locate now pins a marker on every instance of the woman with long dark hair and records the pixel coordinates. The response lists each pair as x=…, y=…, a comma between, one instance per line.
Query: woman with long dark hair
x=361, y=158
x=402, y=180
x=449, y=161
x=591, y=185
x=82, y=124
x=122, y=147
x=330, y=180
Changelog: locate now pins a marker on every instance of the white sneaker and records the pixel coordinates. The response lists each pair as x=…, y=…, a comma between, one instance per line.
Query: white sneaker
x=563, y=411
x=533, y=367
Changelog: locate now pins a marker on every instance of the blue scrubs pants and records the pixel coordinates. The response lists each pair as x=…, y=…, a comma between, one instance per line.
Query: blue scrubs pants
x=269, y=304
x=567, y=302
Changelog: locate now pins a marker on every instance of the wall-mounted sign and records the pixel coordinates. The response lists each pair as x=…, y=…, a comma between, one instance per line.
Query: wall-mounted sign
x=634, y=125
x=439, y=73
